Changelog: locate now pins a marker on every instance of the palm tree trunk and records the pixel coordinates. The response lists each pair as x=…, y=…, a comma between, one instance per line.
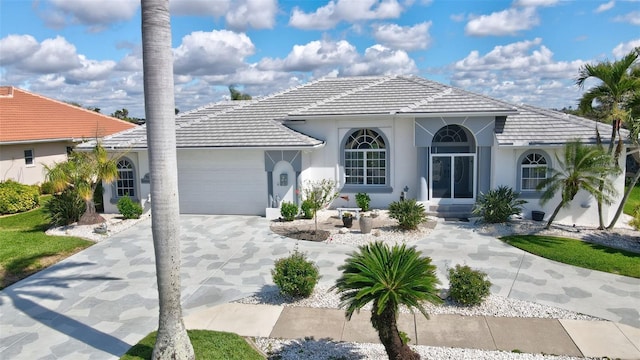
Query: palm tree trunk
x=90, y=216
x=627, y=193
x=553, y=216
x=172, y=341
x=387, y=328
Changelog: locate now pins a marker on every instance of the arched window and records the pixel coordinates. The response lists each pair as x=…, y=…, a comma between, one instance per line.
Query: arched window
x=125, y=184
x=365, y=158
x=533, y=170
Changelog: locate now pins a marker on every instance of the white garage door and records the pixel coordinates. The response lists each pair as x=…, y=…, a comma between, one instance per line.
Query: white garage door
x=222, y=182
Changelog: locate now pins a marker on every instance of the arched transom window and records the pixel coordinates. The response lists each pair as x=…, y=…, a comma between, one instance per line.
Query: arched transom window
x=365, y=158
x=450, y=134
x=125, y=185
x=533, y=170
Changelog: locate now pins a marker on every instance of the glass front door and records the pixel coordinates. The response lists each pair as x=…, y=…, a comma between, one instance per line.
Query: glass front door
x=453, y=176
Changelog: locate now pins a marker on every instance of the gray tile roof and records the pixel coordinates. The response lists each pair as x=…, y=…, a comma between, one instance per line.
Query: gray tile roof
x=260, y=123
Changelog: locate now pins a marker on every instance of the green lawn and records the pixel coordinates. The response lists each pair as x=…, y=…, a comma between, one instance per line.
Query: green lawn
x=633, y=201
x=207, y=345
x=26, y=249
x=579, y=253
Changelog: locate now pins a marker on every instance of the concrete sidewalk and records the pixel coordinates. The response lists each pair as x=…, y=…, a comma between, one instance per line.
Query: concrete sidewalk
x=530, y=335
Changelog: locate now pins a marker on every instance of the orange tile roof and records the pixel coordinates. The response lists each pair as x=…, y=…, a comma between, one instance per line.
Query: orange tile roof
x=29, y=117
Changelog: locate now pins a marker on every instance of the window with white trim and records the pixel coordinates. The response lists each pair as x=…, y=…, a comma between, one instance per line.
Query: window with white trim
x=125, y=185
x=365, y=158
x=533, y=170
x=29, y=157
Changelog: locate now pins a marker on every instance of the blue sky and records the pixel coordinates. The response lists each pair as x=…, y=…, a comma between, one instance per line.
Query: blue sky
x=522, y=51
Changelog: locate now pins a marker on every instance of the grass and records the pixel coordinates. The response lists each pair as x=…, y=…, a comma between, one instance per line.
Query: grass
x=26, y=249
x=207, y=345
x=579, y=253
x=633, y=201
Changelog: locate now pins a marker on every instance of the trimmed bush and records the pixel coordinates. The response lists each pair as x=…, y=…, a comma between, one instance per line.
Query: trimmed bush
x=409, y=213
x=468, y=287
x=288, y=210
x=129, y=208
x=295, y=275
x=65, y=208
x=307, y=209
x=497, y=205
x=363, y=200
x=16, y=197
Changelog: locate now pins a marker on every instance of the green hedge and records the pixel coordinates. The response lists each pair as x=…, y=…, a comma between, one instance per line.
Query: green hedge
x=16, y=197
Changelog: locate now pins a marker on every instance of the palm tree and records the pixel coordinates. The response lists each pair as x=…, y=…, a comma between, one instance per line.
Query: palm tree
x=388, y=277
x=82, y=172
x=583, y=168
x=172, y=341
x=617, y=93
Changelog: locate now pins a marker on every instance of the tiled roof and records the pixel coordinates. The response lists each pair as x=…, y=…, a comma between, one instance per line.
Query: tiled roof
x=29, y=117
x=261, y=122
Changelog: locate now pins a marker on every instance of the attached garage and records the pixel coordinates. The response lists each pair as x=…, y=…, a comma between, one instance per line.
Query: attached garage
x=222, y=182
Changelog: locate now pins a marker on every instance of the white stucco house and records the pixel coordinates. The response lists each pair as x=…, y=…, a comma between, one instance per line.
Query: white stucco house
x=382, y=135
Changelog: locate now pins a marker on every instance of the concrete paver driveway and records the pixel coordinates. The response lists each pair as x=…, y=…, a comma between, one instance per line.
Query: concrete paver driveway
x=98, y=303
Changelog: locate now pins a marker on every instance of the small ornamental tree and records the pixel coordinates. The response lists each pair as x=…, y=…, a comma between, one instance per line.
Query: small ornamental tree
x=319, y=194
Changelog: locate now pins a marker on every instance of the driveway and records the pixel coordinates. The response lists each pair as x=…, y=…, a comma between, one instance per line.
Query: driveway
x=98, y=303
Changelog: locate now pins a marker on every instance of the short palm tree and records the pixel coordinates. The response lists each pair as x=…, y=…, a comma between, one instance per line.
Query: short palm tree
x=388, y=278
x=583, y=168
x=82, y=172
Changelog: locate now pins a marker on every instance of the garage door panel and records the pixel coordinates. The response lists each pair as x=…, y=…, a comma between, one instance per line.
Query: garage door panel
x=216, y=184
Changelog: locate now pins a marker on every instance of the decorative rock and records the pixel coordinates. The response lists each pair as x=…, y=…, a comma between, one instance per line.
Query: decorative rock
x=343, y=230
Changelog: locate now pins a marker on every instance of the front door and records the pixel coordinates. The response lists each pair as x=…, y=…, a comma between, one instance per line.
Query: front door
x=453, y=177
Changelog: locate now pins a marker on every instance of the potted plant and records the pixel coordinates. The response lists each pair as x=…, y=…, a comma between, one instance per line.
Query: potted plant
x=347, y=219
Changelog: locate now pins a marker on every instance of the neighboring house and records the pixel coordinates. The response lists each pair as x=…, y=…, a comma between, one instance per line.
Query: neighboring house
x=37, y=131
x=388, y=136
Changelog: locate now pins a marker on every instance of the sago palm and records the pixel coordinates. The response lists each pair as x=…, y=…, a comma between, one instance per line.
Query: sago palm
x=388, y=278
x=583, y=168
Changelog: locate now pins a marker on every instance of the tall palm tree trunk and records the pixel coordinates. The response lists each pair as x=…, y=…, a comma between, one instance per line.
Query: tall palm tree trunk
x=387, y=327
x=172, y=340
x=627, y=193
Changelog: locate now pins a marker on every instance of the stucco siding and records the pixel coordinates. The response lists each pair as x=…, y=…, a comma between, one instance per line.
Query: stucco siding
x=12, y=161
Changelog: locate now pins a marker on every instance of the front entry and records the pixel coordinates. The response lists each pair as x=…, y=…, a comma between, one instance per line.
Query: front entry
x=452, y=165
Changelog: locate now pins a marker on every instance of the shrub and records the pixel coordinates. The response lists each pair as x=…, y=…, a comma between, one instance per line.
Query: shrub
x=65, y=208
x=497, y=205
x=129, y=208
x=47, y=188
x=635, y=222
x=409, y=213
x=16, y=197
x=307, y=209
x=288, y=210
x=295, y=275
x=467, y=286
x=363, y=200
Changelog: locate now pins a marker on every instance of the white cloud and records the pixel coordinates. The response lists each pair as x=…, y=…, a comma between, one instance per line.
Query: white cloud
x=215, y=52
x=403, y=37
x=52, y=56
x=13, y=48
x=632, y=18
x=535, y=3
x=199, y=7
x=605, y=7
x=506, y=22
x=623, y=49
x=88, y=12
x=258, y=14
x=313, y=55
x=379, y=60
x=328, y=16
x=91, y=70
x=520, y=72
